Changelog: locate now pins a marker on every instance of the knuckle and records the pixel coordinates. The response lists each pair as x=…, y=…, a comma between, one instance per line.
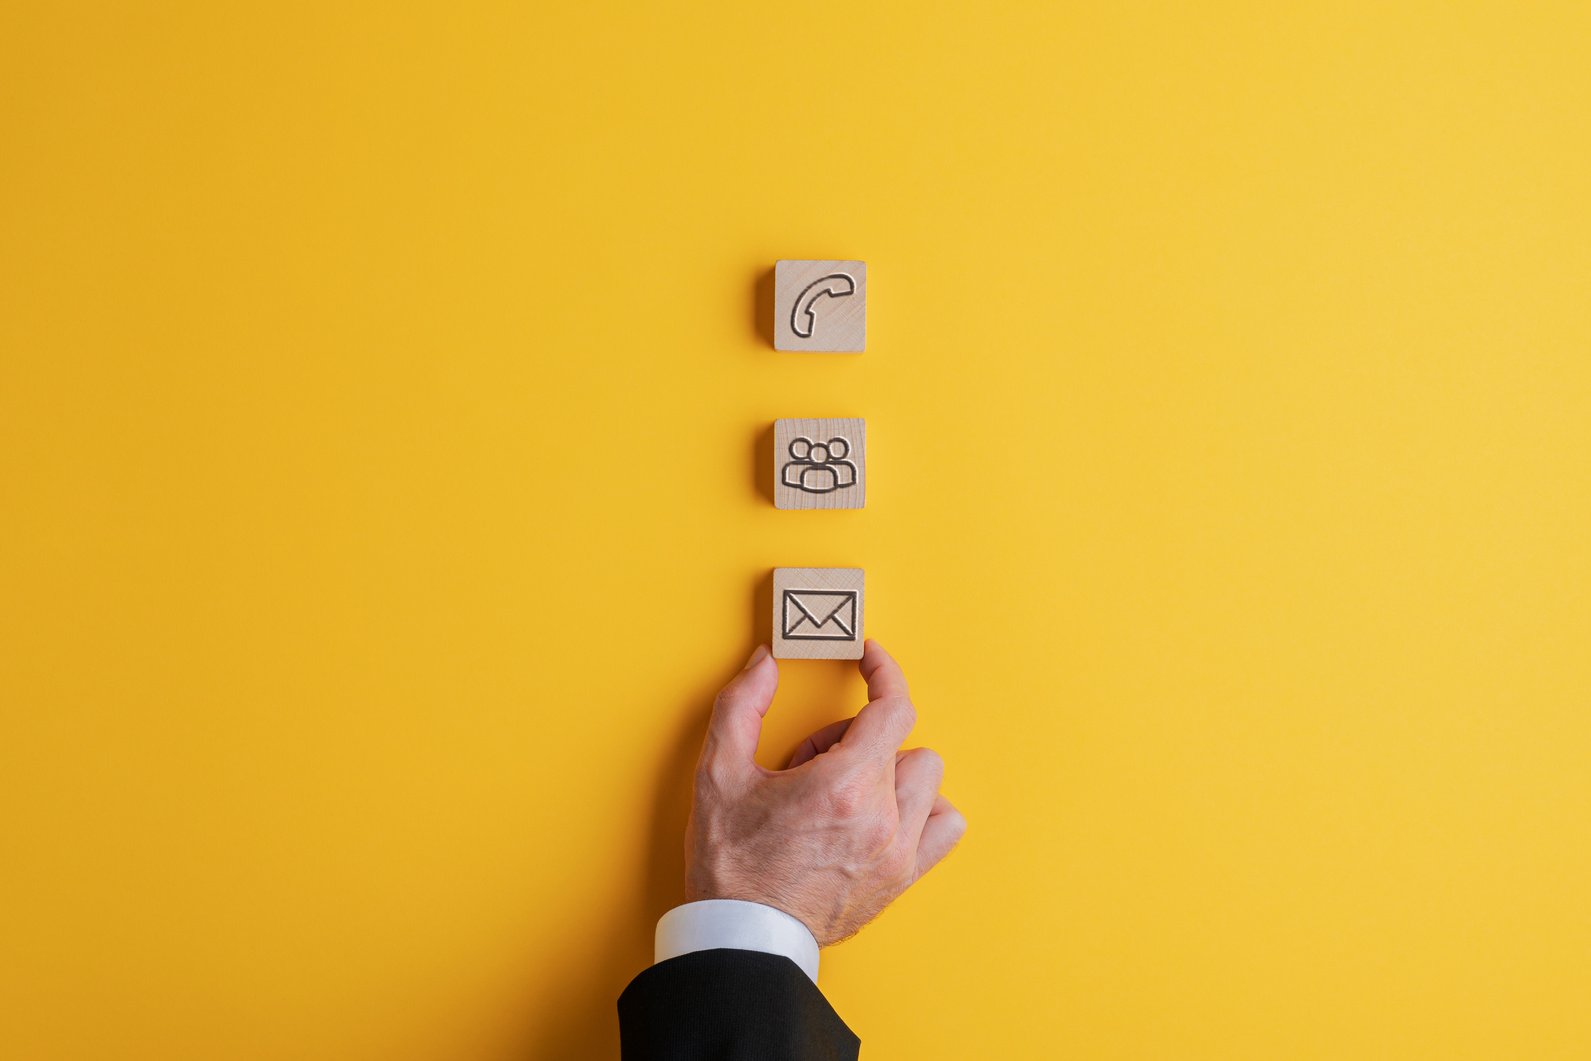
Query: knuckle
x=847, y=799
x=713, y=777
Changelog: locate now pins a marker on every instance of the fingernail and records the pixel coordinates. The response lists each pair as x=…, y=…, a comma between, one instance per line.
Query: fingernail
x=756, y=657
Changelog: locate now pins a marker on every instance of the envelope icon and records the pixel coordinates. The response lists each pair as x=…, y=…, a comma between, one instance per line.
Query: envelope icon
x=819, y=614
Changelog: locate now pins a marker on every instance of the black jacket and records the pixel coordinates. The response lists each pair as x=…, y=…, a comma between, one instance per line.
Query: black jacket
x=730, y=1005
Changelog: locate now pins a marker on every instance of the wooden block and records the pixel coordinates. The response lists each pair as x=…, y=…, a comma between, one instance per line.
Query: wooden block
x=820, y=306
x=820, y=463
x=817, y=613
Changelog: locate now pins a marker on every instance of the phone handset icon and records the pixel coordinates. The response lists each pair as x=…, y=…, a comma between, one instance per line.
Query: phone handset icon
x=803, y=317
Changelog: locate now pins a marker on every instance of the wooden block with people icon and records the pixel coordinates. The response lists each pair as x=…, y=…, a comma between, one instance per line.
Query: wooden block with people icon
x=820, y=463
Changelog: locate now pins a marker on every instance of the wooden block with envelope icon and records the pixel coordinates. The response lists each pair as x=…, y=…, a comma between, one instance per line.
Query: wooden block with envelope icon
x=817, y=613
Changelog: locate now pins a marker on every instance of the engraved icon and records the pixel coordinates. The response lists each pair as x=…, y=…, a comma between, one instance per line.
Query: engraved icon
x=820, y=463
x=817, y=613
x=818, y=467
x=820, y=306
x=803, y=317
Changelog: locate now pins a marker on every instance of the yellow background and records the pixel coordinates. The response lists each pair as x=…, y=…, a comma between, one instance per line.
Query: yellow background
x=382, y=393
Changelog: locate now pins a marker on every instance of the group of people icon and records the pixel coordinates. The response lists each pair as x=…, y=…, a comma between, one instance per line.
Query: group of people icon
x=818, y=467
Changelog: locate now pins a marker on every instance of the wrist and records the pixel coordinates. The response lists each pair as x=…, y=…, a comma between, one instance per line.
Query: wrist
x=759, y=893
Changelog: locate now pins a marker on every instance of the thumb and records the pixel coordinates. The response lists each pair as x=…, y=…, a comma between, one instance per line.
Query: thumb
x=736, y=725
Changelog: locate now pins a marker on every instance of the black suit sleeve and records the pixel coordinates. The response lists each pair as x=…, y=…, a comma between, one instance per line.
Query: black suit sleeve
x=730, y=1005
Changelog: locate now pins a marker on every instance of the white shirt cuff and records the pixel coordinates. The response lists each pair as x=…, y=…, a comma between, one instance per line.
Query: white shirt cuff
x=737, y=925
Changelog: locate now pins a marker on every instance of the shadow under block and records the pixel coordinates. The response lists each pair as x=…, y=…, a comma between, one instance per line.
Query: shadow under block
x=820, y=463
x=820, y=306
x=817, y=613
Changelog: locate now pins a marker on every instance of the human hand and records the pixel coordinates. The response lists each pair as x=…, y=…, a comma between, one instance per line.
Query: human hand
x=833, y=838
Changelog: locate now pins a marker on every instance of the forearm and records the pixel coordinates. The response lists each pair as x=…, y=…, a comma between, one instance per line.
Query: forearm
x=730, y=1005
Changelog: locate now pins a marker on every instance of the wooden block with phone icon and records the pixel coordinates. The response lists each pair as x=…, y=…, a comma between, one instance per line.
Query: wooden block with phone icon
x=817, y=613
x=820, y=306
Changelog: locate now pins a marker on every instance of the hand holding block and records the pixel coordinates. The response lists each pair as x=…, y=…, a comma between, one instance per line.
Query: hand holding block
x=817, y=613
x=820, y=463
x=820, y=306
